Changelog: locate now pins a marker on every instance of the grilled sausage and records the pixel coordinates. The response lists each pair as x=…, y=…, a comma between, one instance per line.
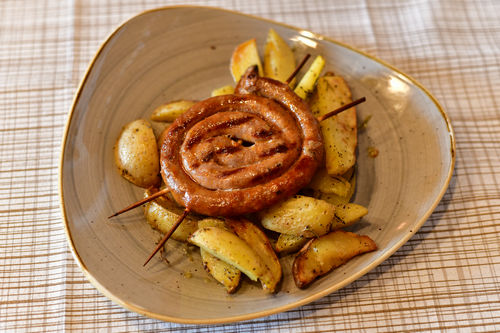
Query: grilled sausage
x=236, y=154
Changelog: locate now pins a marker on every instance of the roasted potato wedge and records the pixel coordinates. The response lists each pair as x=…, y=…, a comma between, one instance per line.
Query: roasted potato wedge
x=230, y=248
x=327, y=252
x=226, y=274
x=299, y=216
x=170, y=111
x=136, y=154
x=279, y=61
x=245, y=55
x=259, y=242
x=335, y=199
x=162, y=214
x=212, y=222
x=348, y=214
x=325, y=183
x=225, y=90
x=340, y=131
x=289, y=243
x=306, y=84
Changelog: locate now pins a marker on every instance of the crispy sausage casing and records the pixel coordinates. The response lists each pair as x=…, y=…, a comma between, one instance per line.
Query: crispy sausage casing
x=237, y=154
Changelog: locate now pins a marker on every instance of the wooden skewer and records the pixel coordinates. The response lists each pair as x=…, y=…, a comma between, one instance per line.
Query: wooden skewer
x=141, y=202
x=167, y=235
x=302, y=63
x=342, y=108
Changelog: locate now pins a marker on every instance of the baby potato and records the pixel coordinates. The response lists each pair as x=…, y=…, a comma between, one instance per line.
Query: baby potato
x=136, y=154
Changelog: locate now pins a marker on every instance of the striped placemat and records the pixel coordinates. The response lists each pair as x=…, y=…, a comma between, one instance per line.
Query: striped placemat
x=446, y=278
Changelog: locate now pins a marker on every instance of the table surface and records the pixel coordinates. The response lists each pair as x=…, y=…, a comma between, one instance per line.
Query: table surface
x=447, y=277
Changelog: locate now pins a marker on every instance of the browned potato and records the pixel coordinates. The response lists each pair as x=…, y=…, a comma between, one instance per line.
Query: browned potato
x=226, y=274
x=327, y=252
x=258, y=241
x=136, y=154
x=244, y=56
x=162, y=214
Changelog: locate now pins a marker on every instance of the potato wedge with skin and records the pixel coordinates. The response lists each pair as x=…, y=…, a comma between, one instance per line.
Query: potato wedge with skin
x=230, y=248
x=325, y=183
x=289, y=243
x=136, y=154
x=331, y=198
x=340, y=131
x=162, y=214
x=170, y=111
x=335, y=199
x=244, y=56
x=327, y=252
x=306, y=84
x=348, y=214
x=259, y=242
x=279, y=61
x=212, y=222
x=226, y=274
x=225, y=90
x=299, y=216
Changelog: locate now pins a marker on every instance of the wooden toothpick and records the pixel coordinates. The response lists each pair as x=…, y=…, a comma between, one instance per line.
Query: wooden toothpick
x=141, y=202
x=302, y=63
x=167, y=235
x=342, y=108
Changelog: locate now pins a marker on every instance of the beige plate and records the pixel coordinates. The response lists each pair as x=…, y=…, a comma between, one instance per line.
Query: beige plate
x=183, y=53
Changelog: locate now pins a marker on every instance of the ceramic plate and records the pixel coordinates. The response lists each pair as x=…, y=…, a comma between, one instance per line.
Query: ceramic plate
x=183, y=53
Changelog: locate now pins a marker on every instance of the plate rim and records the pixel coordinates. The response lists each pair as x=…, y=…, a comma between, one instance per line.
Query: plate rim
x=389, y=252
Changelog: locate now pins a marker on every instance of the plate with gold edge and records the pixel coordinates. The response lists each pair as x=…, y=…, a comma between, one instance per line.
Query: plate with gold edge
x=183, y=53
